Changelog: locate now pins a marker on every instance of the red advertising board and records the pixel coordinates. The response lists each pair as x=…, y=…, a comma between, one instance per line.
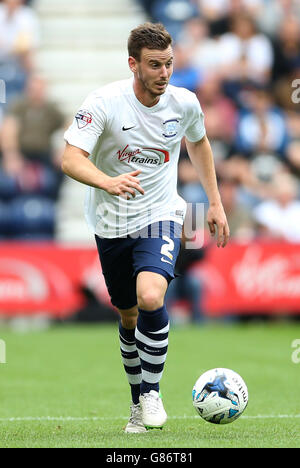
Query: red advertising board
x=256, y=278
x=252, y=278
x=46, y=277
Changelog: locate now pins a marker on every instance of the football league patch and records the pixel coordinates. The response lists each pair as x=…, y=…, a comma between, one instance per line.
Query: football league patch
x=83, y=118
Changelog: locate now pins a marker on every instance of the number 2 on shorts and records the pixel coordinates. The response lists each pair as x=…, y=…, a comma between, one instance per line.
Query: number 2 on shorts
x=167, y=248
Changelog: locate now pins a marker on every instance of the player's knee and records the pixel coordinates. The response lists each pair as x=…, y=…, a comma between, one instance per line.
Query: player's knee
x=150, y=299
x=151, y=289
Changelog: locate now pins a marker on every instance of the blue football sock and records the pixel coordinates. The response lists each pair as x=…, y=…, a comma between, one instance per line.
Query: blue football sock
x=152, y=345
x=131, y=361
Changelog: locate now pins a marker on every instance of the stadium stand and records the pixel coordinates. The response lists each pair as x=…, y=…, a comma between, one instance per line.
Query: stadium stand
x=83, y=45
x=69, y=57
x=76, y=57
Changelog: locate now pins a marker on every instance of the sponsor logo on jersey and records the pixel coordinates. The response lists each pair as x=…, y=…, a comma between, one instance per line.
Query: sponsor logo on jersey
x=83, y=118
x=149, y=156
x=170, y=128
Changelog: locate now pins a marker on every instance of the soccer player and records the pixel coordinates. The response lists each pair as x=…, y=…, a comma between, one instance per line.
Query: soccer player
x=124, y=144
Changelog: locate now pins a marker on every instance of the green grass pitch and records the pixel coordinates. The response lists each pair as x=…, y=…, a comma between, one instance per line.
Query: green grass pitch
x=65, y=387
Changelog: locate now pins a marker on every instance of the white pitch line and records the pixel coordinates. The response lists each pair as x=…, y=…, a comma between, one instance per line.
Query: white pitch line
x=116, y=418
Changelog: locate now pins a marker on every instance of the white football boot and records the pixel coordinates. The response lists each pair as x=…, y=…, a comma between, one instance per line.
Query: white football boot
x=153, y=412
x=135, y=424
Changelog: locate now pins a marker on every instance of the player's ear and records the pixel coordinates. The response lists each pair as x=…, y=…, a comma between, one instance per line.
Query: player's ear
x=132, y=64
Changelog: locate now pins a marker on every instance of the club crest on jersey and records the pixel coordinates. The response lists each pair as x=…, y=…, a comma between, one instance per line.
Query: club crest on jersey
x=170, y=128
x=83, y=118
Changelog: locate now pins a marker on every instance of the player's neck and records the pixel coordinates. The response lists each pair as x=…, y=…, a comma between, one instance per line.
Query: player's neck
x=144, y=96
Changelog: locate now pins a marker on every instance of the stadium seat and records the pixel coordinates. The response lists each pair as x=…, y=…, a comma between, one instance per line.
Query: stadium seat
x=4, y=219
x=173, y=14
x=8, y=186
x=32, y=216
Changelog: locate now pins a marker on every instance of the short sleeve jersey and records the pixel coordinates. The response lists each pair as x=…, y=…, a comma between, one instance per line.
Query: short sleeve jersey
x=122, y=135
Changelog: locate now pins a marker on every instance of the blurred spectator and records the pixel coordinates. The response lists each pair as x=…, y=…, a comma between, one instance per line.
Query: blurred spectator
x=252, y=177
x=293, y=156
x=189, y=186
x=246, y=54
x=173, y=14
x=279, y=216
x=19, y=36
x=240, y=220
x=220, y=112
x=219, y=12
x=287, y=48
x=274, y=12
x=28, y=129
x=29, y=175
x=216, y=9
x=185, y=74
x=203, y=50
x=262, y=127
x=287, y=96
x=220, y=122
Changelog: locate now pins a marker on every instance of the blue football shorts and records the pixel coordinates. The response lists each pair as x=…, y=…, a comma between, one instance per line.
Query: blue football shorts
x=154, y=248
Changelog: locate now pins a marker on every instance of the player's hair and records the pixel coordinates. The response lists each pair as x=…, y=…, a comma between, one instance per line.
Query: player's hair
x=148, y=35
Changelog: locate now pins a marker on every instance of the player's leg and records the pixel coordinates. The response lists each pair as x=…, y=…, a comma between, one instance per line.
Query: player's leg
x=132, y=366
x=129, y=354
x=152, y=328
x=152, y=343
x=115, y=257
x=154, y=261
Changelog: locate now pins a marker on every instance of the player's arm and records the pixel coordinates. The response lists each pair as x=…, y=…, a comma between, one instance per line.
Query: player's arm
x=76, y=164
x=201, y=156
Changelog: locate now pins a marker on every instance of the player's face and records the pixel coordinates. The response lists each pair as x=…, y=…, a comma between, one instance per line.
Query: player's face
x=154, y=71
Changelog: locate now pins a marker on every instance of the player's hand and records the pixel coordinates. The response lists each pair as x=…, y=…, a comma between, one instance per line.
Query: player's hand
x=124, y=185
x=217, y=222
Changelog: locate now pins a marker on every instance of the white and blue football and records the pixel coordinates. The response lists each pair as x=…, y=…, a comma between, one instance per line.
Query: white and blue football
x=220, y=396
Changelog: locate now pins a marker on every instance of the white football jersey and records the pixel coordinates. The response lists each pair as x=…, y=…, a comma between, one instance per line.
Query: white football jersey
x=122, y=135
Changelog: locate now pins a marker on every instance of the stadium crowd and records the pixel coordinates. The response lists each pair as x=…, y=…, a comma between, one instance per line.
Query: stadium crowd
x=29, y=173
x=241, y=58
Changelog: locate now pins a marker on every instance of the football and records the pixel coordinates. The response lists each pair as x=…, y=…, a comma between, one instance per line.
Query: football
x=220, y=396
